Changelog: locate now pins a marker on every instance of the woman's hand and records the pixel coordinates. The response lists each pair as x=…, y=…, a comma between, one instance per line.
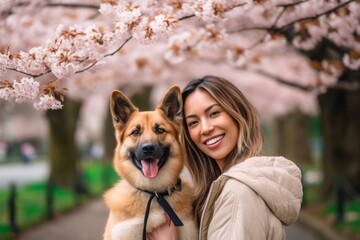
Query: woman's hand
x=166, y=231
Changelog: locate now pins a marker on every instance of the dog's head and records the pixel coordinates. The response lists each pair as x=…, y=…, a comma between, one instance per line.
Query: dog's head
x=148, y=154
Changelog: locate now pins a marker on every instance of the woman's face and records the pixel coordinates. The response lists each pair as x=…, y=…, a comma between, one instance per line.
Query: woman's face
x=212, y=129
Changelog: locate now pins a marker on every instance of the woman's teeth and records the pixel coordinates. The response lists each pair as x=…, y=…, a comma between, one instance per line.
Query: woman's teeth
x=214, y=140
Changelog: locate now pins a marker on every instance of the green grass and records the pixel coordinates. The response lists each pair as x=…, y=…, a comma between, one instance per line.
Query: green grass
x=328, y=209
x=311, y=190
x=31, y=199
x=31, y=206
x=99, y=177
x=351, y=223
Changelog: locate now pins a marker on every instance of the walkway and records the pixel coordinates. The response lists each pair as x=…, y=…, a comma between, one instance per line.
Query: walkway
x=88, y=222
x=85, y=223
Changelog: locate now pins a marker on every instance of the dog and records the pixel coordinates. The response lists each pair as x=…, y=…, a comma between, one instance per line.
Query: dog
x=149, y=160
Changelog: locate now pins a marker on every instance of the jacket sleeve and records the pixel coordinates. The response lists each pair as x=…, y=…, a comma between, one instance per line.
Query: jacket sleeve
x=239, y=213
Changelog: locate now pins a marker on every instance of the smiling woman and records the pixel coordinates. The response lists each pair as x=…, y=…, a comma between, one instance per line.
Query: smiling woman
x=239, y=194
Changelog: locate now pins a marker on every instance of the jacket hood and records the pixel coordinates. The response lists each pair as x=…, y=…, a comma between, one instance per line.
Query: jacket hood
x=276, y=180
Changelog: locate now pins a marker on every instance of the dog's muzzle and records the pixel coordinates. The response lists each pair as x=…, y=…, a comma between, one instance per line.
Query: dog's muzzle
x=149, y=157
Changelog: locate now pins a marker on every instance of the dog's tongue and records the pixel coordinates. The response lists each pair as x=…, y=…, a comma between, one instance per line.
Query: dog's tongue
x=150, y=168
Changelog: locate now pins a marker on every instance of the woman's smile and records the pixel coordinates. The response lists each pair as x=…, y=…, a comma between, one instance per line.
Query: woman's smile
x=211, y=142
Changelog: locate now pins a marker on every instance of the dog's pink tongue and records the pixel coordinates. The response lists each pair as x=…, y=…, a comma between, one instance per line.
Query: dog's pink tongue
x=150, y=168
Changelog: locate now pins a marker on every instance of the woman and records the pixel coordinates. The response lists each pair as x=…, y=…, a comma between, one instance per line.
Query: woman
x=239, y=194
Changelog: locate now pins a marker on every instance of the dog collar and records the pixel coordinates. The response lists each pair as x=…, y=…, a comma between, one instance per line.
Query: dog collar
x=167, y=192
x=164, y=204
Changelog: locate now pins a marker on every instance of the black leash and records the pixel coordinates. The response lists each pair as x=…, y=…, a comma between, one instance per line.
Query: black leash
x=164, y=204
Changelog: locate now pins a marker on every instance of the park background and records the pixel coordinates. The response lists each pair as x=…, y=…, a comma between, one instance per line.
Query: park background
x=296, y=61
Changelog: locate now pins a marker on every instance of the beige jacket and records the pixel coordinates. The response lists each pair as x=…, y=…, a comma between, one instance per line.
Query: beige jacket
x=253, y=200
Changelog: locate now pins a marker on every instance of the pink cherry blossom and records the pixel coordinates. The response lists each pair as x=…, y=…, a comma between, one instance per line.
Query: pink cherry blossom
x=47, y=102
x=169, y=42
x=25, y=90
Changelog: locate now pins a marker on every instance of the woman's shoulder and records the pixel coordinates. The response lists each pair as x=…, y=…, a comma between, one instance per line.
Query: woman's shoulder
x=259, y=165
x=274, y=179
x=235, y=189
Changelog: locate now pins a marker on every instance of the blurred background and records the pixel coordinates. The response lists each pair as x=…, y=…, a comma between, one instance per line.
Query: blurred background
x=296, y=61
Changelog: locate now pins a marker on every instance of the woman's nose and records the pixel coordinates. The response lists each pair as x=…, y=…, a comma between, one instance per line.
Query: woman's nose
x=206, y=128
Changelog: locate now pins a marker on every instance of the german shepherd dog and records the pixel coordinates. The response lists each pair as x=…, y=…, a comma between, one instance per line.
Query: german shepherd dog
x=149, y=159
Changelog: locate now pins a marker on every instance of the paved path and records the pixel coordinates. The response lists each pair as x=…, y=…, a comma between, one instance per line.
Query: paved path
x=298, y=231
x=85, y=223
x=88, y=222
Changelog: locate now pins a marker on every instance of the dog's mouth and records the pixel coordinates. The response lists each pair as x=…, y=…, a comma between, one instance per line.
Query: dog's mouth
x=150, y=167
x=150, y=164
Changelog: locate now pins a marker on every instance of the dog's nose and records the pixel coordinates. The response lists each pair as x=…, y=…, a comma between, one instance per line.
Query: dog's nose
x=148, y=148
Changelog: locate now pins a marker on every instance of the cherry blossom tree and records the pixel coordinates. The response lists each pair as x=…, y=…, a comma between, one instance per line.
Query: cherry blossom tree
x=283, y=54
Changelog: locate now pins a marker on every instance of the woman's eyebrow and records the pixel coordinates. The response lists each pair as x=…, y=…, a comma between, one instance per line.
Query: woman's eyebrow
x=190, y=116
x=210, y=107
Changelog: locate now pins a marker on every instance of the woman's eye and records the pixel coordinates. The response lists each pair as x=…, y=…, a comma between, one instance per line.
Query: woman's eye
x=213, y=114
x=191, y=124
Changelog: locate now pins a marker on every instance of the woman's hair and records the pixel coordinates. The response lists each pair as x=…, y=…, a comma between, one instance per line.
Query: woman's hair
x=204, y=169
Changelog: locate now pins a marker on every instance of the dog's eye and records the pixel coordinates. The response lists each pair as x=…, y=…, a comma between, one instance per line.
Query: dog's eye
x=135, y=133
x=159, y=130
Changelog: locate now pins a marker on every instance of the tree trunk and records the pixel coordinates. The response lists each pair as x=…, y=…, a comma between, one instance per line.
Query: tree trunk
x=292, y=138
x=109, y=137
x=141, y=99
x=63, y=152
x=340, y=120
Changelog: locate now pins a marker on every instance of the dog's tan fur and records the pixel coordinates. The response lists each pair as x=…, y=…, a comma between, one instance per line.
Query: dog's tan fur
x=125, y=201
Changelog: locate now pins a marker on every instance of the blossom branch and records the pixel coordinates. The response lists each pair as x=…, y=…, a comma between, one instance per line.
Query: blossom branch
x=225, y=10
x=284, y=82
x=9, y=11
x=28, y=74
x=73, y=5
x=316, y=16
x=265, y=28
x=106, y=55
x=270, y=76
x=287, y=5
x=274, y=30
x=349, y=86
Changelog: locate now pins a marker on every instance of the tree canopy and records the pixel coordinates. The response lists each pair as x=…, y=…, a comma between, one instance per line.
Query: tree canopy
x=286, y=51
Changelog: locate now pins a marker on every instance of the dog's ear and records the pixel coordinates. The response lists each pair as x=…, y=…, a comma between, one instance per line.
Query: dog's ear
x=121, y=108
x=171, y=104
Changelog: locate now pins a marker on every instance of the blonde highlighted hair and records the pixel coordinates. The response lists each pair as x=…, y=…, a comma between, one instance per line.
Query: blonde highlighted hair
x=203, y=169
